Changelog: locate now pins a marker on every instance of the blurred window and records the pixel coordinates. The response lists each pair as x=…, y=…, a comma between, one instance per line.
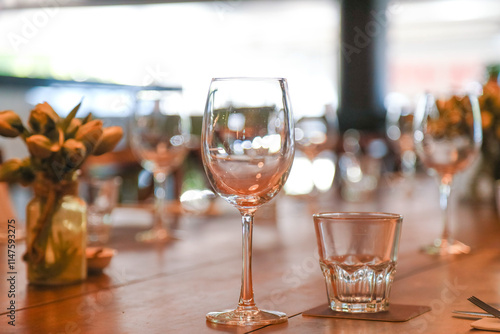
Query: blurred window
x=441, y=45
x=182, y=44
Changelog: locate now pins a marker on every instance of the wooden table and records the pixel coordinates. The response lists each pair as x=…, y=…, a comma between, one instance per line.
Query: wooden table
x=169, y=288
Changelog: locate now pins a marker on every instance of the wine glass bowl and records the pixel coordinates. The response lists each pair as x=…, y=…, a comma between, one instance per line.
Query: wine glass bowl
x=159, y=141
x=313, y=135
x=447, y=137
x=452, y=134
x=247, y=150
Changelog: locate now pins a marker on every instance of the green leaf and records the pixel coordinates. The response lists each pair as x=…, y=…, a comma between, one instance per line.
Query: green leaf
x=70, y=116
x=87, y=118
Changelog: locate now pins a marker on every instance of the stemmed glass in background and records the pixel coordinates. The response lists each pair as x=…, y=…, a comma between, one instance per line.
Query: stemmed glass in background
x=314, y=135
x=316, y=138
x=248, y=150
x=399, y=130
x=158, y=132
x=447, y=137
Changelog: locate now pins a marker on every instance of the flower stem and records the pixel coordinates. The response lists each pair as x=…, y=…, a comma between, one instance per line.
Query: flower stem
x=35, y=252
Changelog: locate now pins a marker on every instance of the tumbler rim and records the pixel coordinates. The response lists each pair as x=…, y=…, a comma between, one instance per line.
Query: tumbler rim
x=356, y=215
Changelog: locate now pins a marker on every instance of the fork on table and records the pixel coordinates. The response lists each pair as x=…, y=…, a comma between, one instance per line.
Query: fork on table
x=486, y=307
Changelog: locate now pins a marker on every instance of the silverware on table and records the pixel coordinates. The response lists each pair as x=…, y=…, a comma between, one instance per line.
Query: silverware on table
x=471, y=315
x=486, y=307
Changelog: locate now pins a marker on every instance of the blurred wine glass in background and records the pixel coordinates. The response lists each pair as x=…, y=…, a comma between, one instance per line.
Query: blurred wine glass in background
x=448, y=137
x=316, y=138
x=314, y=135
x=360, y=165
x=399, y=131
x=159, y=138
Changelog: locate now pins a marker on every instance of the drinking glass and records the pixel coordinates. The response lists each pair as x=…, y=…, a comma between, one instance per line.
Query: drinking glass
x=101, y=197
x=358, y=252
x=247, y=150
x=447, y=136
x=158, y=133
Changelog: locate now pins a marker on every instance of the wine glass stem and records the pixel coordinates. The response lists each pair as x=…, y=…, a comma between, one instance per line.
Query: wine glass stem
x=160, y=194
x=246, y=301
x=444, y=196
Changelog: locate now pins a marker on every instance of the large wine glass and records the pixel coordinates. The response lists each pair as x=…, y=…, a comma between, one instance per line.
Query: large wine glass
x=447, y=137
x=247, y=149
x=158, y=132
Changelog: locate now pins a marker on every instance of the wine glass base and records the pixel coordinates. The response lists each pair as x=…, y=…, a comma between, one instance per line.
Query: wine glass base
x=247, y=318
x=154, y=235
x=444, y=247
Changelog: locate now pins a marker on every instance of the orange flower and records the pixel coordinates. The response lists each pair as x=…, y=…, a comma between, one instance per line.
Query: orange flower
x=110, y=138
x=10, y=124
x=90, y=133
x=41, y=146
x=74, y=151
x=43, y=119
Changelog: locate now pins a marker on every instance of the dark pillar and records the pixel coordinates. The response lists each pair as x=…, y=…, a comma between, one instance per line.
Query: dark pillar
x=362, y=64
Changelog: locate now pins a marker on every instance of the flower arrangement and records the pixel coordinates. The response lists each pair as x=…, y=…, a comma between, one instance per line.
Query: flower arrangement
x=490, y=115
x=450, y=120
x=56, y=221
x=58, y=146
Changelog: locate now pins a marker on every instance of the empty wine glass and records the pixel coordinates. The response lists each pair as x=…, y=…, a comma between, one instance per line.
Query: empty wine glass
x=158, y=133
x=447, y=137
x=315, y=134
x=247, y=149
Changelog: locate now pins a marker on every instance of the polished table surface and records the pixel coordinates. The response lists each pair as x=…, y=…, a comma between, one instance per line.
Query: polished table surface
x=169, y=288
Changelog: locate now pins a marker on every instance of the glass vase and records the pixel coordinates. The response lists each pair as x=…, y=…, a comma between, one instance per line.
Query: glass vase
x=56, y=234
